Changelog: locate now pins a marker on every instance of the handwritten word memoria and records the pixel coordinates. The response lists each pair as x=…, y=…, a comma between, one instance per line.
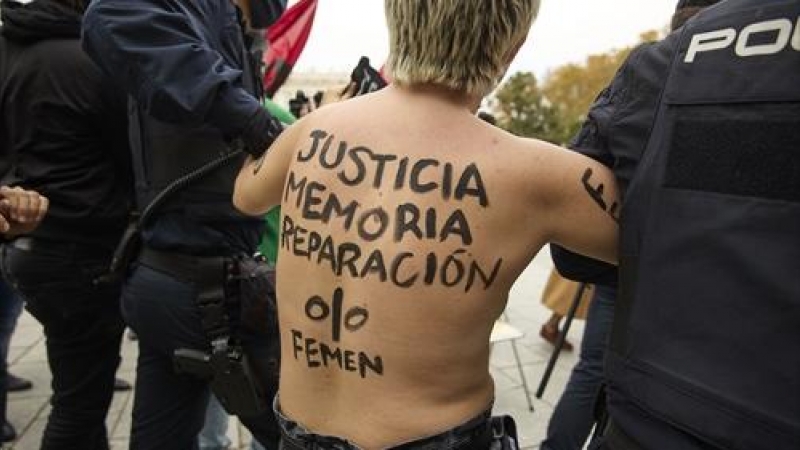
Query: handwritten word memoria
x=317, y=203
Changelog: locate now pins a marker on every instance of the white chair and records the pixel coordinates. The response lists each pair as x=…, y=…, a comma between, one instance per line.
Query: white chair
x=505, y=332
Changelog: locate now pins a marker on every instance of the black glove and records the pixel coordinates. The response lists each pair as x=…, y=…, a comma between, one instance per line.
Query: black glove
x=261, y=134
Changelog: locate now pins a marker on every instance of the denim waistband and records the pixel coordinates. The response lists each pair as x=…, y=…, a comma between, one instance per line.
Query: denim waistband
x=474, y=434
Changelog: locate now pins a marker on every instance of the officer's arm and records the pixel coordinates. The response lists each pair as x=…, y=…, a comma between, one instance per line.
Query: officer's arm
x=260, y=183
x=153, y=51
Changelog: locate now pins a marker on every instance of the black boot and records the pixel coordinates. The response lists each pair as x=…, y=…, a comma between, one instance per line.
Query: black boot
x=7, y=433
x=16, y=383
x=121, y=385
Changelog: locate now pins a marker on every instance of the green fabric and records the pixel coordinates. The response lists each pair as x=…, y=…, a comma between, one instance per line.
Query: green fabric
x=269, y=243
x=279, y=113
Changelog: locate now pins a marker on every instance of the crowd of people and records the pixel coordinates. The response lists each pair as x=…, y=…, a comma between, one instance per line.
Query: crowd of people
x=141, y=173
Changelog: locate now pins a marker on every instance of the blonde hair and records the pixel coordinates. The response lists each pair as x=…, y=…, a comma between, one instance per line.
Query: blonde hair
x=463, y=45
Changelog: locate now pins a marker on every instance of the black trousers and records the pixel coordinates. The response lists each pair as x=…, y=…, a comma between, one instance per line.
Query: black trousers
x=83, y=330
x=10, y=310
x=169, y=408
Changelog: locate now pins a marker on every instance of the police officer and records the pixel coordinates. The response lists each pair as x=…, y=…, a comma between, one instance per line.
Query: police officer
x=193, y=88
x=702, y=351
x=615, y=133
x=63, y=134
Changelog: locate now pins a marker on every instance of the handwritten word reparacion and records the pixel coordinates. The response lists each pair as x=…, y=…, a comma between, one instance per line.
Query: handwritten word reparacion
x=456, y=268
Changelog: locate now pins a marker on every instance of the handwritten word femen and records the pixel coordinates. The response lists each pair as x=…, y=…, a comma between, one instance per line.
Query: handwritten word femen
x=318, y=354
x=422, y=176
x=403, y=270
x=371, y=224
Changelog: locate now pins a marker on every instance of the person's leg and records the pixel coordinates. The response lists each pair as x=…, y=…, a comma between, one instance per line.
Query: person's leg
x=553, y=322
x=214, y=435
x=255, y=445
x=572, y=420
x=263, y=350
x=169, y=408
x=550, y=331
x=10, y=309
x=83, y=329
x=598, y=444
x=83, y=356
x=258, y=331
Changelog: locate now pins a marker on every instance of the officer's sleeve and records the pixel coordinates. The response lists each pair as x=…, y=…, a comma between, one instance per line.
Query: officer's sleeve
x=153, y=51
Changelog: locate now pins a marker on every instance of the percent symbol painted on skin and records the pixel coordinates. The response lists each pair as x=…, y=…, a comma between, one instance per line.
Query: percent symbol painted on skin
x=353, y=319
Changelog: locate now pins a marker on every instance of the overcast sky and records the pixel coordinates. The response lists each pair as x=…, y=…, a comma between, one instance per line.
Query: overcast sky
x=565, y=31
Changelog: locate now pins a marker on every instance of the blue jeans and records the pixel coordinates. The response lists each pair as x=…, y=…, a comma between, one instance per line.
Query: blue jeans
x=214, y=435
x=169, y=408
x=474, y=434
x=573, y=418
x=83, y=331
x=10, y=309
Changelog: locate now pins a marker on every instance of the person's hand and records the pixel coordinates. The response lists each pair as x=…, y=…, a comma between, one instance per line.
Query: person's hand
x=338, y=94
x=21, y=211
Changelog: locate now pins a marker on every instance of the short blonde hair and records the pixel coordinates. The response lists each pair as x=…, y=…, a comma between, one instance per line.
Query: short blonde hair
x=463, y=45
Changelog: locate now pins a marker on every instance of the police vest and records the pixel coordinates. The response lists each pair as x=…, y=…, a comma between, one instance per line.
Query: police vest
x=164, y=152
x=706, y=339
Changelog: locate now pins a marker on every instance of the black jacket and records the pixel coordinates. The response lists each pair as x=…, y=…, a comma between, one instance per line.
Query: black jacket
x=195, y=91
x=703, y=352
x=62, y=125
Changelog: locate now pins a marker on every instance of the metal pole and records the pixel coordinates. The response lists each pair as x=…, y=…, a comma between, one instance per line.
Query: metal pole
x=562, y=336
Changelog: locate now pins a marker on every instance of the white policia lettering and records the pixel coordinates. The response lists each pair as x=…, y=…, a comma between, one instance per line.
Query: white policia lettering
x=745, y=46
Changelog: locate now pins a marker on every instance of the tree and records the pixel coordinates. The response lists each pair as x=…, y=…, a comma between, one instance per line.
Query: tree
x=556, y=111
x=572, y=88
x=521, y=109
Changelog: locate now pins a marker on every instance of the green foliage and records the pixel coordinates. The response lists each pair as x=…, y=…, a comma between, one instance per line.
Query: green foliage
x=523, y=110
x=556, y=110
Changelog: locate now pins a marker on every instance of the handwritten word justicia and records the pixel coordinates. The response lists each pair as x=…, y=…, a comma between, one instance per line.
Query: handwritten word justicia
x=427, y=175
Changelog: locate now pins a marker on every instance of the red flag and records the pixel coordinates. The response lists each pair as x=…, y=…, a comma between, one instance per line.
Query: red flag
x=287, y=37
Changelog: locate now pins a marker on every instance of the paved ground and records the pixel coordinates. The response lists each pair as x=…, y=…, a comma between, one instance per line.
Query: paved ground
x=28, y=410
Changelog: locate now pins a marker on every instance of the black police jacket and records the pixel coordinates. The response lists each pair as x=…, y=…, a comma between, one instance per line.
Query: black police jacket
x=194, y=91
x=704, y=347
x=63, y=125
